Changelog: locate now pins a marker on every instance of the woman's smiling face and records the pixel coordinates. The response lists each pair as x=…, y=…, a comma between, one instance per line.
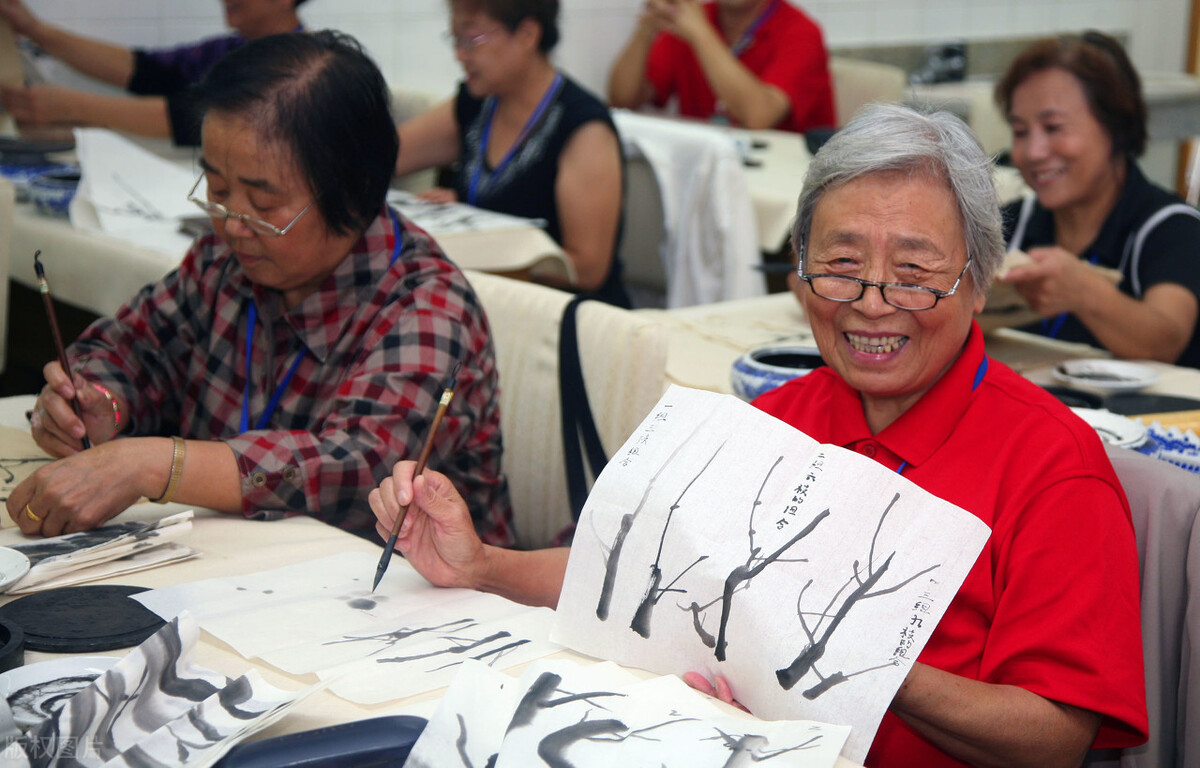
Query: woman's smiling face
x=1061, y=149
x=890, y=227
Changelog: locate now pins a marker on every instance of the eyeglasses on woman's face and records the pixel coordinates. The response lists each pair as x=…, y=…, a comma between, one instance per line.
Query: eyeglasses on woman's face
x=845, y=288
x=253, y=223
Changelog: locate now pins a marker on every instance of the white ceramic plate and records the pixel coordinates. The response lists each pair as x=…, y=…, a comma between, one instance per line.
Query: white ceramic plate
x=1113, y=428
x=1106, y=375
x=37, y=691
x=13, y=565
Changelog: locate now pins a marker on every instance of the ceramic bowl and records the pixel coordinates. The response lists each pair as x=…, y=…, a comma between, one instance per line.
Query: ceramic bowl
x=767, y=367
x=21, y=172
x=51, y=192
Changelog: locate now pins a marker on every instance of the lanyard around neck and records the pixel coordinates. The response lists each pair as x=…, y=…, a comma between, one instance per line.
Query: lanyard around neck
x=489, y=114
x=252, y=318
x=747, y=37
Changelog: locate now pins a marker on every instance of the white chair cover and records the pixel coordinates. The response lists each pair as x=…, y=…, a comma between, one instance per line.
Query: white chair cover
x=623, y=355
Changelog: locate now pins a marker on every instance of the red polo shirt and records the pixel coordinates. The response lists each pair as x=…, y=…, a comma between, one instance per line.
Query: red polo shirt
x=787, y=51
x=1051, y=605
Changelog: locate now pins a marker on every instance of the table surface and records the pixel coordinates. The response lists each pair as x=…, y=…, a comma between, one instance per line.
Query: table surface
x=232, y=546
x=99, y=272
x=703, y=343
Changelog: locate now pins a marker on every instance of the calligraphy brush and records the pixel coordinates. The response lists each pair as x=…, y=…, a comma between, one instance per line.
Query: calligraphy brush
x=44, y=287
x=443, y=404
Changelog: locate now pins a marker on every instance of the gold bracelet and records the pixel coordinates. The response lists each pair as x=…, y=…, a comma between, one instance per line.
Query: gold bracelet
x=178, y=452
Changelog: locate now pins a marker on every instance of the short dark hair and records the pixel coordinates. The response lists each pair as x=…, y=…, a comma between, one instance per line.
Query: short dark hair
x=322, y=98
x=511, y=13
x=1110, y=83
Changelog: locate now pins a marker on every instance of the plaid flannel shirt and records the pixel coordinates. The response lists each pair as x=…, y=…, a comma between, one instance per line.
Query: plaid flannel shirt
x=377, y=343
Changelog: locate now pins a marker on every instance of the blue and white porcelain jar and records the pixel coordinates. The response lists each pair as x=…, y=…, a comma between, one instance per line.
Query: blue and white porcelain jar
x=765, y=368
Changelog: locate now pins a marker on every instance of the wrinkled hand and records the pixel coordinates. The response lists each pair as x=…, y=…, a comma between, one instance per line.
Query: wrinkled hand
x=1055, y=282
x=78, y=493
x=54, y=425
x=438, y=536
x=721, y=690
x=18, y=16
x=439, y=195
x=37, y=105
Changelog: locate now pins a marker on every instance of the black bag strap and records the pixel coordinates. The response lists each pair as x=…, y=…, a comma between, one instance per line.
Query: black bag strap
x=577, y=421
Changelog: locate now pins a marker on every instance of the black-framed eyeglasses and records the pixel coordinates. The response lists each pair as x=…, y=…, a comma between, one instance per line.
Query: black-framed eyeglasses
x=256, y=225
x=900, y=295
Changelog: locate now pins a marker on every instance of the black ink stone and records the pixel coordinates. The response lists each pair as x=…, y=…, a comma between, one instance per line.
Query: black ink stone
x=82, y=619
x=1134, y=403
x=1076, y=398
x=12, y=645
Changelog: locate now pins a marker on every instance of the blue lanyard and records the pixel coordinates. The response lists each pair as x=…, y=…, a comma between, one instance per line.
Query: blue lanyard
x=980, y=372
x=252, y=318
x=1051, y=328
x=489, y=112
x=747, y=37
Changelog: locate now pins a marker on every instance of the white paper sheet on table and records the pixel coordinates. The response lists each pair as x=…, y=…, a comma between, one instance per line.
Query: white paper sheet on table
x=321, y=616
x=155, y=707
x=110, y=550
x=131, y=193
x=721, y=540
x=560, y=713
x=454, y=218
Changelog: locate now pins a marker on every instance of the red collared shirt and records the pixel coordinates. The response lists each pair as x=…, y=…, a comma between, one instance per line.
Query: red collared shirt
x=787, y=51
x=1051, y=605
x=377, y=343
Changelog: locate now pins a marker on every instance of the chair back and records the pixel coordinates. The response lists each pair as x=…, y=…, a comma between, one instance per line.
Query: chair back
x=641, y=251
x=857, y=83
x=1165, y=502
x=710, y=242
x=623, y=356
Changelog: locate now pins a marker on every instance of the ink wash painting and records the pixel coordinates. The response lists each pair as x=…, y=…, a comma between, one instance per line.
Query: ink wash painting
x=722, y=540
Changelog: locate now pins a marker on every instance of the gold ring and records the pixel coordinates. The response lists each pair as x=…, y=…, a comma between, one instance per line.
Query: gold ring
x=32, y=516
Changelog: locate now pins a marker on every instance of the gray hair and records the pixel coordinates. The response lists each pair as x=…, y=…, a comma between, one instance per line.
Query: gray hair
x=890, y=137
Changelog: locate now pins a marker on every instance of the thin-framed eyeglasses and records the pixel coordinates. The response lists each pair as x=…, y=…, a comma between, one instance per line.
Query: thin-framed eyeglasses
x=467, y=43
x=900, y=295
x=256, y=225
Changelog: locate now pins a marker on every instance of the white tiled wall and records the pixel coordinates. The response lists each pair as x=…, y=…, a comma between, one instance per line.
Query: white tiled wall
x=405, y=36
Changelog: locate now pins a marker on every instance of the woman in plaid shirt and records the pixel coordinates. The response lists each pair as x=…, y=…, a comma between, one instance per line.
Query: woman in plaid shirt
x=301, y=349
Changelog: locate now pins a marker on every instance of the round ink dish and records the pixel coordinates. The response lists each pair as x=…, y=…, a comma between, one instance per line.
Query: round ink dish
x=13, y=565
x=1106, y=375
x=767, y=367
x=22, y=173
x=52, y=192
x=95, y=617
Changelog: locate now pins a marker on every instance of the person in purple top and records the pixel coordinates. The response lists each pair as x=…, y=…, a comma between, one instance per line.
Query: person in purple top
x=160, y=81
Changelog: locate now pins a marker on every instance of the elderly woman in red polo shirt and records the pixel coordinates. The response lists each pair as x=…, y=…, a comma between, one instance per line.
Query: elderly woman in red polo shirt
x=1039, y=657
